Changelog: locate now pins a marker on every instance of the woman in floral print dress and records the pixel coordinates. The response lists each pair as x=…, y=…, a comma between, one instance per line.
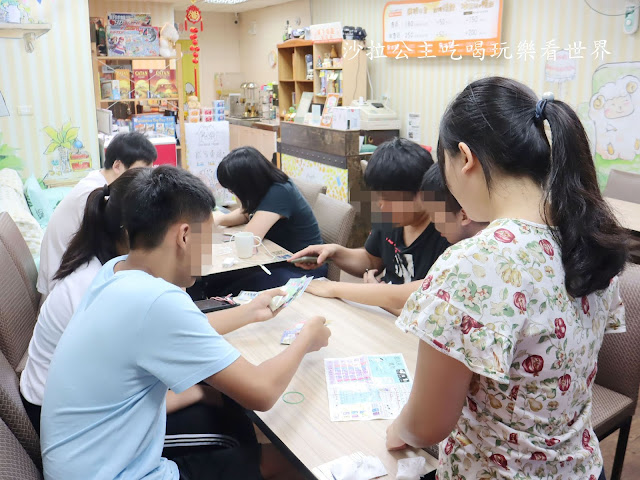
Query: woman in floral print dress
x=512, y=320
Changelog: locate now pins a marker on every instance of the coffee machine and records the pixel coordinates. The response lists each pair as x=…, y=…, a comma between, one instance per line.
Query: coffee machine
x=236, y=106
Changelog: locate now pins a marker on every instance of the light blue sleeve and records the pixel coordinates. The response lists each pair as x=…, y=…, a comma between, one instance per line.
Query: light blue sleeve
x=178, y=346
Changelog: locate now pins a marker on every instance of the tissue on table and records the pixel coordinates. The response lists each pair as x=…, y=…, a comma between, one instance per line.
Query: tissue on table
x=364, y=468
x=411, y=468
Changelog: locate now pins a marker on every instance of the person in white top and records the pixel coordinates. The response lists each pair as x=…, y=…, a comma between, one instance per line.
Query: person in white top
x=100, y=238
x=125, y=151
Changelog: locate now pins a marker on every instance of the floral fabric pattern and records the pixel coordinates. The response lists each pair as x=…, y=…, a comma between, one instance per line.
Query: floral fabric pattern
x=497, y=303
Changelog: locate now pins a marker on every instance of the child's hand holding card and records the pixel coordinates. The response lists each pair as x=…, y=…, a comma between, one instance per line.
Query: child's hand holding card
x=294, y=288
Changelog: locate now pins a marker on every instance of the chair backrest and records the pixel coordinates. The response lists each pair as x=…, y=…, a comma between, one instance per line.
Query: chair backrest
x=335, y=219
x=15, y=464
x=19, y=299
x=309, y=191
x=619, y=358
x=14, y=415
x=623, y=186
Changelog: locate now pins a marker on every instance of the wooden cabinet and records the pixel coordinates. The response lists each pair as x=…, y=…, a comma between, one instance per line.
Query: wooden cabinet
x=265, y=141
x=292, y=71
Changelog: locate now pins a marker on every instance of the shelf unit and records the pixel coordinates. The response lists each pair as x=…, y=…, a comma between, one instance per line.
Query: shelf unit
x=29, y=32
x=292, y=70
x=158, y=63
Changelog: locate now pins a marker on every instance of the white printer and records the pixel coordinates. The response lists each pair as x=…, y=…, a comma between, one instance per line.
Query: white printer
x=376, y=116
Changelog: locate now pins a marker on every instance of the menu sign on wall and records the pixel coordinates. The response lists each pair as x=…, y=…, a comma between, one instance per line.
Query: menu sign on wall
x=441, y=28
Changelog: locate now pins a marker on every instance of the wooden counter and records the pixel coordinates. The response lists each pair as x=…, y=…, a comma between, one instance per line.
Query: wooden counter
x=260, y=134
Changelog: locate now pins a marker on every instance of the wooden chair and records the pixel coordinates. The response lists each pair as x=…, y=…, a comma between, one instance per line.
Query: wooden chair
x=615, y=390
x=335, y=219
x=623, y=186
x=309, y=191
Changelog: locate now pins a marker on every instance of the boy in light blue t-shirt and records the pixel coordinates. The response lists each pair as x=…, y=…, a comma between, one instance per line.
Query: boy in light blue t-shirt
x=136, y=334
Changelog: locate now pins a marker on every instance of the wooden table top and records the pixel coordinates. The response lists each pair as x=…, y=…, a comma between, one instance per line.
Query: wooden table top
x=628, y=213
x=268, y=252
x=306, y=429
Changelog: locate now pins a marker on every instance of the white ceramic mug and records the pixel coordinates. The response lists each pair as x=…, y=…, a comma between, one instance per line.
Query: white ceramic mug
x=245, y=243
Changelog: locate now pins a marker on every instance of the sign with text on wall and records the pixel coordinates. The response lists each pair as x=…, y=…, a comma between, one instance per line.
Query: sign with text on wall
x=440, y=27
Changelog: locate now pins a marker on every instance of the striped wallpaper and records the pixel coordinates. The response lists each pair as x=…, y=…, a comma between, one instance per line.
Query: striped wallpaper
x=55, y=81
x=426, y=86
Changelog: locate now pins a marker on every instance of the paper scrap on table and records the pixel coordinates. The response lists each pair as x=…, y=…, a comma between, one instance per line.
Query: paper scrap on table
x=293, y=288
x=290, y=335
x=367, y=387
x=356, y=466
x=411, y=468
x=245, y=297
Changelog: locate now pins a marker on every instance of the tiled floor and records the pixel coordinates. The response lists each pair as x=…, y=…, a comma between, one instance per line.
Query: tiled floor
x=631, y=469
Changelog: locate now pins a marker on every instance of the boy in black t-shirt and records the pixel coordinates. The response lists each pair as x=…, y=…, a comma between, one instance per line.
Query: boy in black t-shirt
x=449, y=219
x=403, y=242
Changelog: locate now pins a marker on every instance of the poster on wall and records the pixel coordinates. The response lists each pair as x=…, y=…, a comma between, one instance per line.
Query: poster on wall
x=613, y=118
x=190, y=72
x=335, y=179
x=440, y=27
x=207, y=144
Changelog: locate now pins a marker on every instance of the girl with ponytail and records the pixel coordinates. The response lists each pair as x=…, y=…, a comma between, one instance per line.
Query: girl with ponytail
x=99, y=239
x=512, y=320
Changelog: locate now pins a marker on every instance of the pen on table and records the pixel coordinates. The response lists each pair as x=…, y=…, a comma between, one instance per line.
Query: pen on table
x=266, y=270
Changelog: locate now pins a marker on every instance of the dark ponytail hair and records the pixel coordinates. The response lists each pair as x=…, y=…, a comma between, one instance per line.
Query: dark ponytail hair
x=101, y=229
x=496, y=117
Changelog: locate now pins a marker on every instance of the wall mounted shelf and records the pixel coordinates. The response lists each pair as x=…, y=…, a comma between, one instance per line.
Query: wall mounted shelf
x=29, y=32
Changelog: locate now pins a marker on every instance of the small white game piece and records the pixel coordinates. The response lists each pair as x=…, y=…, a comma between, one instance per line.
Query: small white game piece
x=229, y=262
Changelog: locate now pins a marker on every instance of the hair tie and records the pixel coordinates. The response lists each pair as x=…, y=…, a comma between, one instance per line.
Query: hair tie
x=546, y=97
x=105, y=191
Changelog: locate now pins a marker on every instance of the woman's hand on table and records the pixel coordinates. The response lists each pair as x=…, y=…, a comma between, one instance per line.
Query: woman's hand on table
x=322, y=288
x=259, y=307
x=393, y=440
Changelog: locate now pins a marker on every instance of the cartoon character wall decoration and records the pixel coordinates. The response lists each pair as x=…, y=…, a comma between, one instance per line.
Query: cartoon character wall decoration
x=615, y=111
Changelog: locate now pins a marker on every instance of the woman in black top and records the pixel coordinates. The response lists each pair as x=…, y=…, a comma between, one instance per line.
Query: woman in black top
x=272, y=207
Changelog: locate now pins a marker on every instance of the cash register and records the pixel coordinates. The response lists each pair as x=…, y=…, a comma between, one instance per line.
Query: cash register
x=376, y=116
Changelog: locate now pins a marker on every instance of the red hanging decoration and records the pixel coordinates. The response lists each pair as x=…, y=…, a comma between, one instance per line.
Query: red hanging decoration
x=194, y=16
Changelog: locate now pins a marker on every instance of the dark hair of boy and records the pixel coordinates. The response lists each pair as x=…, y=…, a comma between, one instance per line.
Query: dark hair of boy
x=101, y=232
x=161, y=197
x=433, y=182
x=397, y=165
x=249, y=175
x=496, y=118
x=130, y=148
